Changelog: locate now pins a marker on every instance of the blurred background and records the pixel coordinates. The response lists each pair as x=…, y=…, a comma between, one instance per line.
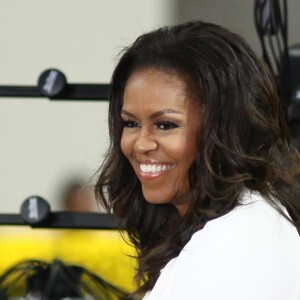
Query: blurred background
x=45, y=145
x=50, y=148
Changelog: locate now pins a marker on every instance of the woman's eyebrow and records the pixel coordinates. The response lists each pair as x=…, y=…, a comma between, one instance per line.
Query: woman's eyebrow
x=127, y=113
x=155, y=114
x=166, y=111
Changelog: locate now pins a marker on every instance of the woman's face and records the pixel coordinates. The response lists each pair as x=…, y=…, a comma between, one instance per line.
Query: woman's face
x=159, y=135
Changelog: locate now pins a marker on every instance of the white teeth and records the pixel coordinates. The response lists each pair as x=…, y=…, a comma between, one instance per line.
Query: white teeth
x=149, y=168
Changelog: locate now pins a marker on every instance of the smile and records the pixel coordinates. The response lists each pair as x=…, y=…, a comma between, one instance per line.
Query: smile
x=154, y=168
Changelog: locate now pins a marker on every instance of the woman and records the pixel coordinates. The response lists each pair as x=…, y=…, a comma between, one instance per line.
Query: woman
x=200, y=168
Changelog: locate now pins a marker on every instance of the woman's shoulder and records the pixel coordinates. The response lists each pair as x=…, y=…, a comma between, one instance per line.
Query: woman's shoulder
x=253, y=228
x=254, y=219
x=244, y=254
x=253, y=245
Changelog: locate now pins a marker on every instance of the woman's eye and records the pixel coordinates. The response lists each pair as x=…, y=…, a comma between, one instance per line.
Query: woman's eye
x=130, y=124
x=166, y=125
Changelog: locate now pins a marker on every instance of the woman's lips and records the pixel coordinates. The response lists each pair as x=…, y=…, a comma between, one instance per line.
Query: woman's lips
x=153, y=170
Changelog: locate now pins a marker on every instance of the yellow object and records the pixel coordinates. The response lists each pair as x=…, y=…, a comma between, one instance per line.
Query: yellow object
x=102, y=252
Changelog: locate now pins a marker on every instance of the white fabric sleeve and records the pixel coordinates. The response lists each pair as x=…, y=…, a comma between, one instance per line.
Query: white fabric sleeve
x=252, y=253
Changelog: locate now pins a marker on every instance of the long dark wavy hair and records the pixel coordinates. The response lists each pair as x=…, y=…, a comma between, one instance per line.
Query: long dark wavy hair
x=242, y=140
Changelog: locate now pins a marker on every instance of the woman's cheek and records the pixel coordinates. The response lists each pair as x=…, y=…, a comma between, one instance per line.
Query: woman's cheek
x=127, y=143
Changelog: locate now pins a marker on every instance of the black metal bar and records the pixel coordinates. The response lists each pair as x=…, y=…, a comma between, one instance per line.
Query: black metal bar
x=11, y=219
x=20, y=91
x=96, y=92
x=67, y=220
x=85, y=91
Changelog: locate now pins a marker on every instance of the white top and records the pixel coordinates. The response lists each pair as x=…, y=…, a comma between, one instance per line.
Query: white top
x=252, y=253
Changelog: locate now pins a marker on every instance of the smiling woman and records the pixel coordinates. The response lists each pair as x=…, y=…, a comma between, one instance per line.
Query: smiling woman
x=201, y=170
x=159, y=135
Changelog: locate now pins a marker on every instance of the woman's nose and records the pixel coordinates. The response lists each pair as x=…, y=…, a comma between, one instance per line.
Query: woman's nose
x=145, y=142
